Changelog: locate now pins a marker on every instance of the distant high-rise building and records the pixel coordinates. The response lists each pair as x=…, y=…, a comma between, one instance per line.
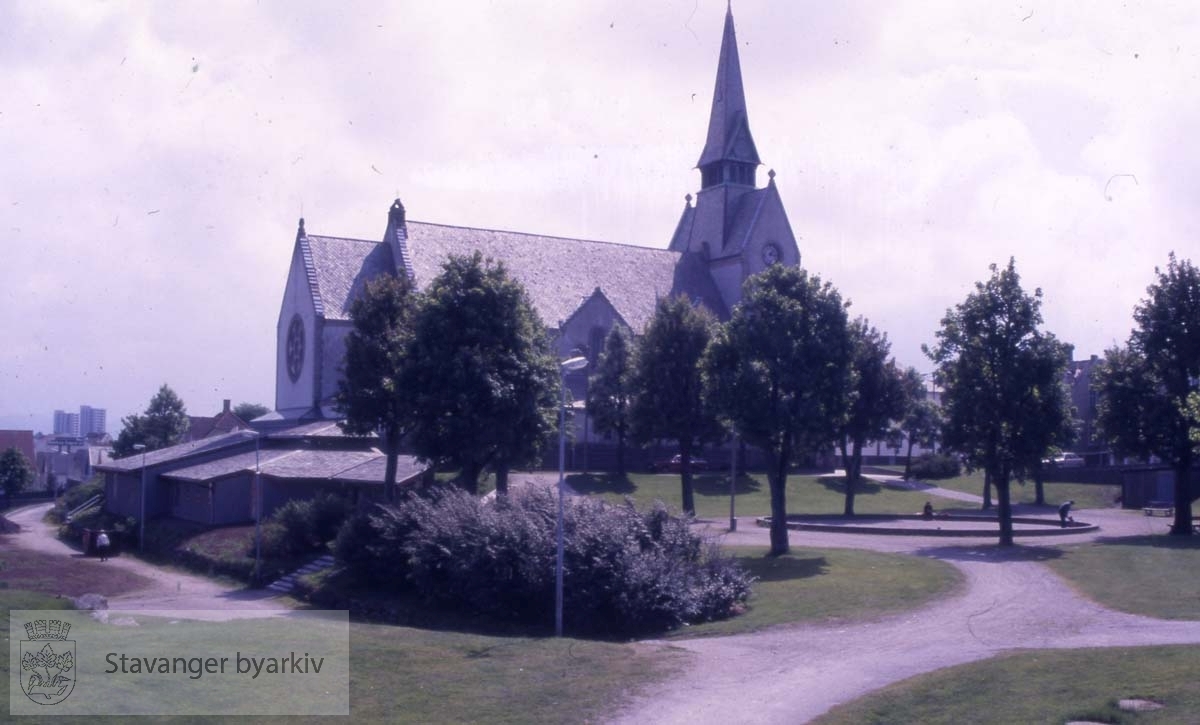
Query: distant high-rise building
x=66, y=424
x=91, y=420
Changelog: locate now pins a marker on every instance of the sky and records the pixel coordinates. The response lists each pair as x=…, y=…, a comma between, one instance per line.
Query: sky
x=157, y=158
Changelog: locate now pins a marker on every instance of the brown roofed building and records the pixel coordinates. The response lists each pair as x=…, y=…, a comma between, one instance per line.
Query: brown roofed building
x=580, y=288
x=22, y=440
x=224, y=422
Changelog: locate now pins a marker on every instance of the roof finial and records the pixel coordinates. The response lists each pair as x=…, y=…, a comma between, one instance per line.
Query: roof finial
x=687, y=200
x=396, y=213
x=300, y=234
x=771, y=177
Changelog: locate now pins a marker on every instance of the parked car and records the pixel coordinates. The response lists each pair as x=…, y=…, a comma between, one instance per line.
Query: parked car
x=675, y=464
x=1064, y=460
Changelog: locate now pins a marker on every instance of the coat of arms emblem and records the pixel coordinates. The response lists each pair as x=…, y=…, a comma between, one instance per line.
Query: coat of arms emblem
x=47, y=661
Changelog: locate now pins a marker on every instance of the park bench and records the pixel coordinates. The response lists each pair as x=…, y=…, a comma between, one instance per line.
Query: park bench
x=1158, y=508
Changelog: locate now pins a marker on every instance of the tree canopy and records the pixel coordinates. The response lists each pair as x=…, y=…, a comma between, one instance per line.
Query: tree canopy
x=482, y=376
x=610, y=390
x=1148, y=388
x=370, y=394
x=922, y=421
x=15, y=472
x=779, y=373
x=1002, y=377
x=668, y=400
x=249, y=411
x=164, y=423
x=876, y=398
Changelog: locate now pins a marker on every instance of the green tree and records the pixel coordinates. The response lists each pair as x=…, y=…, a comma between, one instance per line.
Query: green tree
x=999, y=372
x=668, y=402
x=610, y=391
x=1145, y=387
x=370, y=394
x=876, y=399
x=250, y=411
x=483, y=379
x=922, y=421
x=164, y=423
x=778, y=372
x=15, y=472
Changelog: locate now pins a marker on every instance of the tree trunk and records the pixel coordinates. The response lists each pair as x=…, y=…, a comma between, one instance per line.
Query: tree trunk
x=392, y=450
x=987, y=490
x=1183, y=499
x=1005, y=512
x=621, y=452
x=777, y=478
x=1039, y=488
x=685, y=479
x=908, y=461
x=468, y=478
x=853, y=474
x=501, y=470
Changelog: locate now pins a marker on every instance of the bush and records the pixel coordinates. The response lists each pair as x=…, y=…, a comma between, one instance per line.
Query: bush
x=625, y=571
x=302, y=526
x=934, y=466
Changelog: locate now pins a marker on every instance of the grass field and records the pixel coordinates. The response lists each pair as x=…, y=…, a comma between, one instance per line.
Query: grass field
x=1050, y=686
x=806, y=494
x=1085, y=496
x=1151, y=575
x=829, y=586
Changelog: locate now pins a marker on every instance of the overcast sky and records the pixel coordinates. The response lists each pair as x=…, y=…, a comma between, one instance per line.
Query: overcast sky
x=156, y=158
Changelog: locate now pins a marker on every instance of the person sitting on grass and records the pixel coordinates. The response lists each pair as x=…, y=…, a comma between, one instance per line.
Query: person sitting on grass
x=927, y=512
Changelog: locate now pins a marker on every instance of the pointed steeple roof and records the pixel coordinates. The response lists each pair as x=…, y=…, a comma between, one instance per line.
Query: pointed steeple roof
x=728, y=126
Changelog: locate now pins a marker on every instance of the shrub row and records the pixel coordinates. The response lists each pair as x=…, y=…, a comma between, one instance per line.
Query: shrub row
x=625, y=571
x=303, y=526
x=935, y=466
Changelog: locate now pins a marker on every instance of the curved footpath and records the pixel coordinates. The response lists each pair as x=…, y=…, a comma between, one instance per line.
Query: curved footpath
x=169, y=589
x=793, y=674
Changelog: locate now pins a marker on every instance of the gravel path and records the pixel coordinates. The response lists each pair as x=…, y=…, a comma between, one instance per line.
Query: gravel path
x=791, y=675
x=170, y=589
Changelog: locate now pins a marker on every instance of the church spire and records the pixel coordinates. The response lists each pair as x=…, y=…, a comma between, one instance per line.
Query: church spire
x=729, y=154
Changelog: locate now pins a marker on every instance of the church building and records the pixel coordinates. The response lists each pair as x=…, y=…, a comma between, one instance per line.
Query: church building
x=731, y=230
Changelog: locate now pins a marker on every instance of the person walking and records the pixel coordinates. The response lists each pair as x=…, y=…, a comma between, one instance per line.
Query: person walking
x=1064, y=513
x=102, y=545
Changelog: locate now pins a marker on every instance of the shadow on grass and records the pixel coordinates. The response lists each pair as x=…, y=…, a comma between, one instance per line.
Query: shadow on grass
x=1159, y=541
x=784, y=568
x=993, y=553
x=598, y=483
x=864, y=487
x=712, y=484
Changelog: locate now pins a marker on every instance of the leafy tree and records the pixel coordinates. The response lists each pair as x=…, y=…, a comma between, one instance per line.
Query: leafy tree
x=778, y=371
x=876, y=399
x=668, y=401
x=165, y=423
x=922, y=419
x=483, y=379
x=250, y=411
x=610, y=390
x=15, y=472
x=370, y=394
x=1001, y=378
x=1148, y=389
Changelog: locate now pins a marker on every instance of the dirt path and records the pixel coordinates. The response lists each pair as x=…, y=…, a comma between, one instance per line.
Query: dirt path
x=169, y=589
x=791, y=675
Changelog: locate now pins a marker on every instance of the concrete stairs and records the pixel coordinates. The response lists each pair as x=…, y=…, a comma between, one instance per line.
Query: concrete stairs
x=286, y=584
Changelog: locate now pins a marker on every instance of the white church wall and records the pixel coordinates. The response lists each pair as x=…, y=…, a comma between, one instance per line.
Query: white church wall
x=297, y=301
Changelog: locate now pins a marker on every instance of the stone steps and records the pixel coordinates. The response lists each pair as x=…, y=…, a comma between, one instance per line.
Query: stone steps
x=285, y=584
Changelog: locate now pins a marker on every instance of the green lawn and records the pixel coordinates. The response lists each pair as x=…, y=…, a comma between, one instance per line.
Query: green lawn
x=806, y=494
x=1050, y=686
x=831, y=585
x=1158, y=576
x=1085, y=496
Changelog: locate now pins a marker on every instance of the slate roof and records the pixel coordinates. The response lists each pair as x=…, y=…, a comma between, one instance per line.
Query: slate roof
x=226, y=466
x=170, y=454
x=372, y=471
x=339, y=268
x=558, y=273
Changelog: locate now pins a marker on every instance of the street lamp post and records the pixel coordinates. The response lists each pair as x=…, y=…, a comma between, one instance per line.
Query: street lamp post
x=142, y=500
x=258, y=503
x=569, y=365
x=733, y=484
